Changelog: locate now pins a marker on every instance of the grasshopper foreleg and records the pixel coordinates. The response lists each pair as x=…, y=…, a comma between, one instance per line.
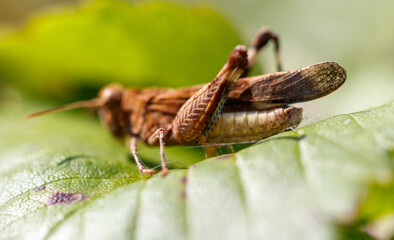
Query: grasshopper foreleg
x=133, y=150
x=159, y=133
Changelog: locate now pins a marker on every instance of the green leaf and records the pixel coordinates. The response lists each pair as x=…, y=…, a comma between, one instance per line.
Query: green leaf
x=319, y=182
x=71, y=53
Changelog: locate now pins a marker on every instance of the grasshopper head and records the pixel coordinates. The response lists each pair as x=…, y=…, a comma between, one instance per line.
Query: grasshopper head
x=110, y=109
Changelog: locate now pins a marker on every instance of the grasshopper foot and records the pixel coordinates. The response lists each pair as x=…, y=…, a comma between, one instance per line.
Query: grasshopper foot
x=147, y=171
x=164, y=172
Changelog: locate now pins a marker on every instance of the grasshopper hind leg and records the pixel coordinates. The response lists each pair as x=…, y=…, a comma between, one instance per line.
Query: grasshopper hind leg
x=198, y=114
x=263, y=36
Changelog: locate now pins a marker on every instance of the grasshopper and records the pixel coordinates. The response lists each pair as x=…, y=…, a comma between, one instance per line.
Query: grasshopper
x=231, y=108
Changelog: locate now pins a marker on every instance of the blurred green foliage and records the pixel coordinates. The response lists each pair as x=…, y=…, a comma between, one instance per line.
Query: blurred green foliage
x=71, y=53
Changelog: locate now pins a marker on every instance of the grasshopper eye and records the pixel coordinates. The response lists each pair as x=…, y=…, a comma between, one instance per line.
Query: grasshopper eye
x=111, y=94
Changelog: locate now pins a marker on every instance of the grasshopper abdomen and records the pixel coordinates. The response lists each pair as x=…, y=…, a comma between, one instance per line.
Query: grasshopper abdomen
x=253, y=125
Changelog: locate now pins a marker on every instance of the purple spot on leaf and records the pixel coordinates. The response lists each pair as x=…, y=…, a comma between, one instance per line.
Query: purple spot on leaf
x=183, y=180
x=183, y=195
x=222, y=157
x=40, y=188
x=62, y=198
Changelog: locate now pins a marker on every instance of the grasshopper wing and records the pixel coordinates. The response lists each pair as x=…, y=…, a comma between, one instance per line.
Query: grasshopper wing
x=266, y=91
x=284, y=88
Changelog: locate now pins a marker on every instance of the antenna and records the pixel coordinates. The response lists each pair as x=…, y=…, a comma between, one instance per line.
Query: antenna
x=81, y=104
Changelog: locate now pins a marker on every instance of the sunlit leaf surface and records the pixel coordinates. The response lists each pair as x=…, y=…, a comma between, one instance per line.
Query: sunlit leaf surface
x=318, y=182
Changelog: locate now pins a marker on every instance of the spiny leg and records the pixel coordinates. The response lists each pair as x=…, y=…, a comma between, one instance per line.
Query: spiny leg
x=230, y=148
x=214, y=150
x=210, y=151
x=133, y=150
x=159, y=133
x=264, y=35
x=196, y=117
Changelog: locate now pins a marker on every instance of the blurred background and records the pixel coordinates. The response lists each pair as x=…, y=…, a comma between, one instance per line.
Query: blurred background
x=57, y=51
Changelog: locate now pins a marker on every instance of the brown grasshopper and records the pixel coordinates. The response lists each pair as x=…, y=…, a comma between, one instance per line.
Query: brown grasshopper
x=227, y=109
